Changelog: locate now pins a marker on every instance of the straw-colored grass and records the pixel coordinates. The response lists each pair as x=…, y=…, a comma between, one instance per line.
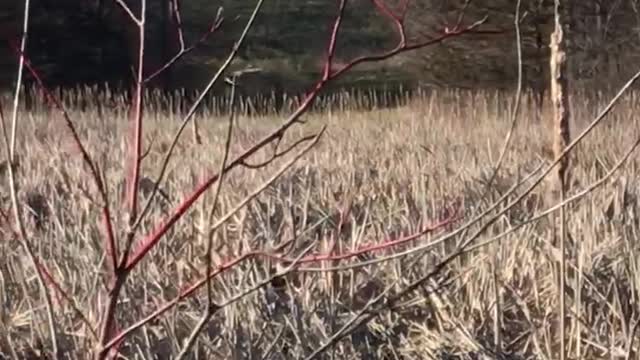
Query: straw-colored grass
x=401, y=167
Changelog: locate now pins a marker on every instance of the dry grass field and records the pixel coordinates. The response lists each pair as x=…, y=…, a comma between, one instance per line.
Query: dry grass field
x=389, y=172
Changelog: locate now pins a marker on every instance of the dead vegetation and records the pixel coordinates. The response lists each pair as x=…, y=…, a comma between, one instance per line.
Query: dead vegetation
x=376, y=175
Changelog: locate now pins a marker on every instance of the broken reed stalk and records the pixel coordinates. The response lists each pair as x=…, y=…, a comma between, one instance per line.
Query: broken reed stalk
x=561, y=137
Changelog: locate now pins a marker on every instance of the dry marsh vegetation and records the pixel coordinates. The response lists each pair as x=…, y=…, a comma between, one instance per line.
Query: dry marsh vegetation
x=376, y=174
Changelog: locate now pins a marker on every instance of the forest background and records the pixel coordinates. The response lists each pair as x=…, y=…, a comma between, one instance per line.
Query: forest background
x=92, y=43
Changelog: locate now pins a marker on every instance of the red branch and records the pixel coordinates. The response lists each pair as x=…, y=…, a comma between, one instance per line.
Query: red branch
x=93, y=169
x=398, y=20
x=152, y=239
x=60, y=294
x=314, y=258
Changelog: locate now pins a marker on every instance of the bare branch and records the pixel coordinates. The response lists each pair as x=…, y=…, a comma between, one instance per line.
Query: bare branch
x=68, y=299
x=516, y=107
x=212, y=307
x=277, y=154
x=151, y=240
x=130, y=13
x=134, y=160
x=86, y=158
x=10, y=144
x=185, y=50
x=169, y=153
x=193, y=288
x=464, y=246
x=574, y=198
x=333, y=40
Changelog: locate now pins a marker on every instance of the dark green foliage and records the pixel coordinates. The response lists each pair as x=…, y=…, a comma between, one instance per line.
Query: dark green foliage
x=76, y=42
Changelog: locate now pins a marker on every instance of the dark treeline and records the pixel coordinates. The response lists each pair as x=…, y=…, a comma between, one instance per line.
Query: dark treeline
x=92, y=42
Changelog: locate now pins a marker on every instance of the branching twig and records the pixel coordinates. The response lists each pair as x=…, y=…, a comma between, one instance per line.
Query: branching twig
x=152, y=239
x=277, y=154
x=123, y=262
x=130, y=13
x=212, y=307
x=466, y=244
x=86, y=158
x=257, y=254
x=176, y=138
x=193, y=288
x=576, y=197
x=184, y=50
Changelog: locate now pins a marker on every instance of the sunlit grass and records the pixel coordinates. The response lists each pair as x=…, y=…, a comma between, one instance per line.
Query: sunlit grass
x=400, y=167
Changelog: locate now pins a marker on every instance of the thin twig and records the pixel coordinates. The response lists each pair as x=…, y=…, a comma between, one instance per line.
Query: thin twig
x=16, y=95
x=68, y=299
x=10, y=144
x=176, y=138
x=154, y=237
x=464, y=245
x=130, y=13
x=212, y=307
x=86, y=158
x=496, y=168
x=220, y=269
x=183, y=49
x=516, y=107
x=134, y=159
x=576, y=197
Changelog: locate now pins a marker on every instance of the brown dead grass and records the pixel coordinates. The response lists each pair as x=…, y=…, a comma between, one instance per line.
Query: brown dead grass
x=400, y=166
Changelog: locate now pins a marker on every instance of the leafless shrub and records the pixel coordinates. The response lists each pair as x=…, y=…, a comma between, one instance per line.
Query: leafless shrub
x=362, y=241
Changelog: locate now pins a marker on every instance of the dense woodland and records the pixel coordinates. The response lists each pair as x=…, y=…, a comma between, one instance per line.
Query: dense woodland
x=92, y=42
